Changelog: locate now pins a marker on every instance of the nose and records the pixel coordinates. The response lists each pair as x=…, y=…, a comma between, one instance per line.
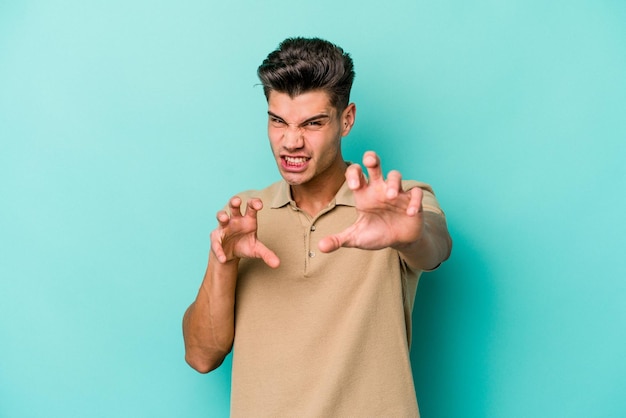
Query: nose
x=293, y=138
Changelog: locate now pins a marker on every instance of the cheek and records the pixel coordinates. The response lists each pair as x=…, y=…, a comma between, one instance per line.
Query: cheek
x=274, y=137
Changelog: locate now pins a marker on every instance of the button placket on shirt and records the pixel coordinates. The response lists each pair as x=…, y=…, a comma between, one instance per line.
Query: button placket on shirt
x=309, y=228
x=311, y=252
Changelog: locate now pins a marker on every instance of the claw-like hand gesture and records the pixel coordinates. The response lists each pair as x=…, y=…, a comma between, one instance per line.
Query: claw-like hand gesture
x=236, y=235
x=387, y=215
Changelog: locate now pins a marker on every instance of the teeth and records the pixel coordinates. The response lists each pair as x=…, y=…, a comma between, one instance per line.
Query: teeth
x=295, y=160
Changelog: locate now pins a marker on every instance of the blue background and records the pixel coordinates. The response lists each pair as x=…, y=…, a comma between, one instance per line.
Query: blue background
x=124, y=127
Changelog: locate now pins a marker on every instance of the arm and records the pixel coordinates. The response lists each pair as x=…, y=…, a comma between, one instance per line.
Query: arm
x=432, y=248
x=209, y=324
x=391, y=217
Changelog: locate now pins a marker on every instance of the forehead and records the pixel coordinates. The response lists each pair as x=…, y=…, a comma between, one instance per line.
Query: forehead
x=300, y=107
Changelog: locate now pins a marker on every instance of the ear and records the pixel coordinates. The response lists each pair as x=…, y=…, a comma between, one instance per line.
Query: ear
x=348, y=117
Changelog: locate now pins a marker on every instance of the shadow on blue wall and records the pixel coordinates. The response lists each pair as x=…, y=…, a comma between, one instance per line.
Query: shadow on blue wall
x=453, y=319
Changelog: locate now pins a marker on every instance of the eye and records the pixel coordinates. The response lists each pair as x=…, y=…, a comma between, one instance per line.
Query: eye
x=314, y=125
x=277, y=122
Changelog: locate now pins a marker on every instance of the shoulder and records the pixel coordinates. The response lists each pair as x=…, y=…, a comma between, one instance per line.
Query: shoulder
x=410, y=184
x=269, y=191
x=271, y=196
x=429, y=201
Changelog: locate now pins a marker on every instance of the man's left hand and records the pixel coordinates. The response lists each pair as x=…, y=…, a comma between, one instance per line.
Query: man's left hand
x=387, y=215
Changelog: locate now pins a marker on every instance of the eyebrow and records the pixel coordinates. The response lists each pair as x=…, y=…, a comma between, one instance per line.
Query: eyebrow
x=311, y=119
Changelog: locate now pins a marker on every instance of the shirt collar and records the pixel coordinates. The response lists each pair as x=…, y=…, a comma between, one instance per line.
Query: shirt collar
x=344, y=196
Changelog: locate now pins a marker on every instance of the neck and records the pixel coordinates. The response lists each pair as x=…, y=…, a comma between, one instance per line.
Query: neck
x=315, y=195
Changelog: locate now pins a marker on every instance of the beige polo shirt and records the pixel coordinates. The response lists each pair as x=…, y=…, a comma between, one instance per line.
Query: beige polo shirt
x=323, y=335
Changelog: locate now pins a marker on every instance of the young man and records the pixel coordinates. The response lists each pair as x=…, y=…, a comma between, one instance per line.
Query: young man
x=311, y=281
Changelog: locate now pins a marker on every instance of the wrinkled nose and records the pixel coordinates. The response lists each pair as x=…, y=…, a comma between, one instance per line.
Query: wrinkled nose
x=293, y=138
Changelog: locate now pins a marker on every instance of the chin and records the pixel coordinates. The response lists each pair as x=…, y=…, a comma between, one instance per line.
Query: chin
x=294, y=179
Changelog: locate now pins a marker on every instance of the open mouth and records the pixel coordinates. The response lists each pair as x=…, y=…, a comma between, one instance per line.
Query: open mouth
x=295, y=161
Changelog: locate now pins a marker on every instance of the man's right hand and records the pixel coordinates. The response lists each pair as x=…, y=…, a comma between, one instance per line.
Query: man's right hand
x=236, y=235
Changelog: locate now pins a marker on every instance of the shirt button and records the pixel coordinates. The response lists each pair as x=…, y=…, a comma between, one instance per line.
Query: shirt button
x=312, y=227
x=311, y=254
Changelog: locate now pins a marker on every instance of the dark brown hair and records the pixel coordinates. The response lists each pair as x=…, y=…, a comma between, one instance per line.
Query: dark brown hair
x=300, y=65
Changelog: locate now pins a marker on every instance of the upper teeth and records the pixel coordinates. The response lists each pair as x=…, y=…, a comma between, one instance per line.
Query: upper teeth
x=295, y=159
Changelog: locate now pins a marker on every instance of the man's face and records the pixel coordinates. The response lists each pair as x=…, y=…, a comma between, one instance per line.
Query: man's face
x=305, y=134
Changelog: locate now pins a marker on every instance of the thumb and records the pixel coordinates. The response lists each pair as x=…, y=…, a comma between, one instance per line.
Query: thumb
x=333, y=242
x=268, y=256
x=329, y=244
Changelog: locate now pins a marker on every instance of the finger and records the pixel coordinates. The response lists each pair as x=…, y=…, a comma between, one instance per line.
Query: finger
x=354, y=177
x=334, y=242
x=394, y=182
x=268, y=256
x=222, y=218
x=253, y=206
x=329, y=244
x=216, y=246
x=372, y=162
x=415, y=204
x=235, y=206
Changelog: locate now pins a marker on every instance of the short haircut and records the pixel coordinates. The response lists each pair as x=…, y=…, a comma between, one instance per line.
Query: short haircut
x=300, y=65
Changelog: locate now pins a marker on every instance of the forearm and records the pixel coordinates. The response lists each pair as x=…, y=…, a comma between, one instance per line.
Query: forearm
x=208, y=324
x=432, y=248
